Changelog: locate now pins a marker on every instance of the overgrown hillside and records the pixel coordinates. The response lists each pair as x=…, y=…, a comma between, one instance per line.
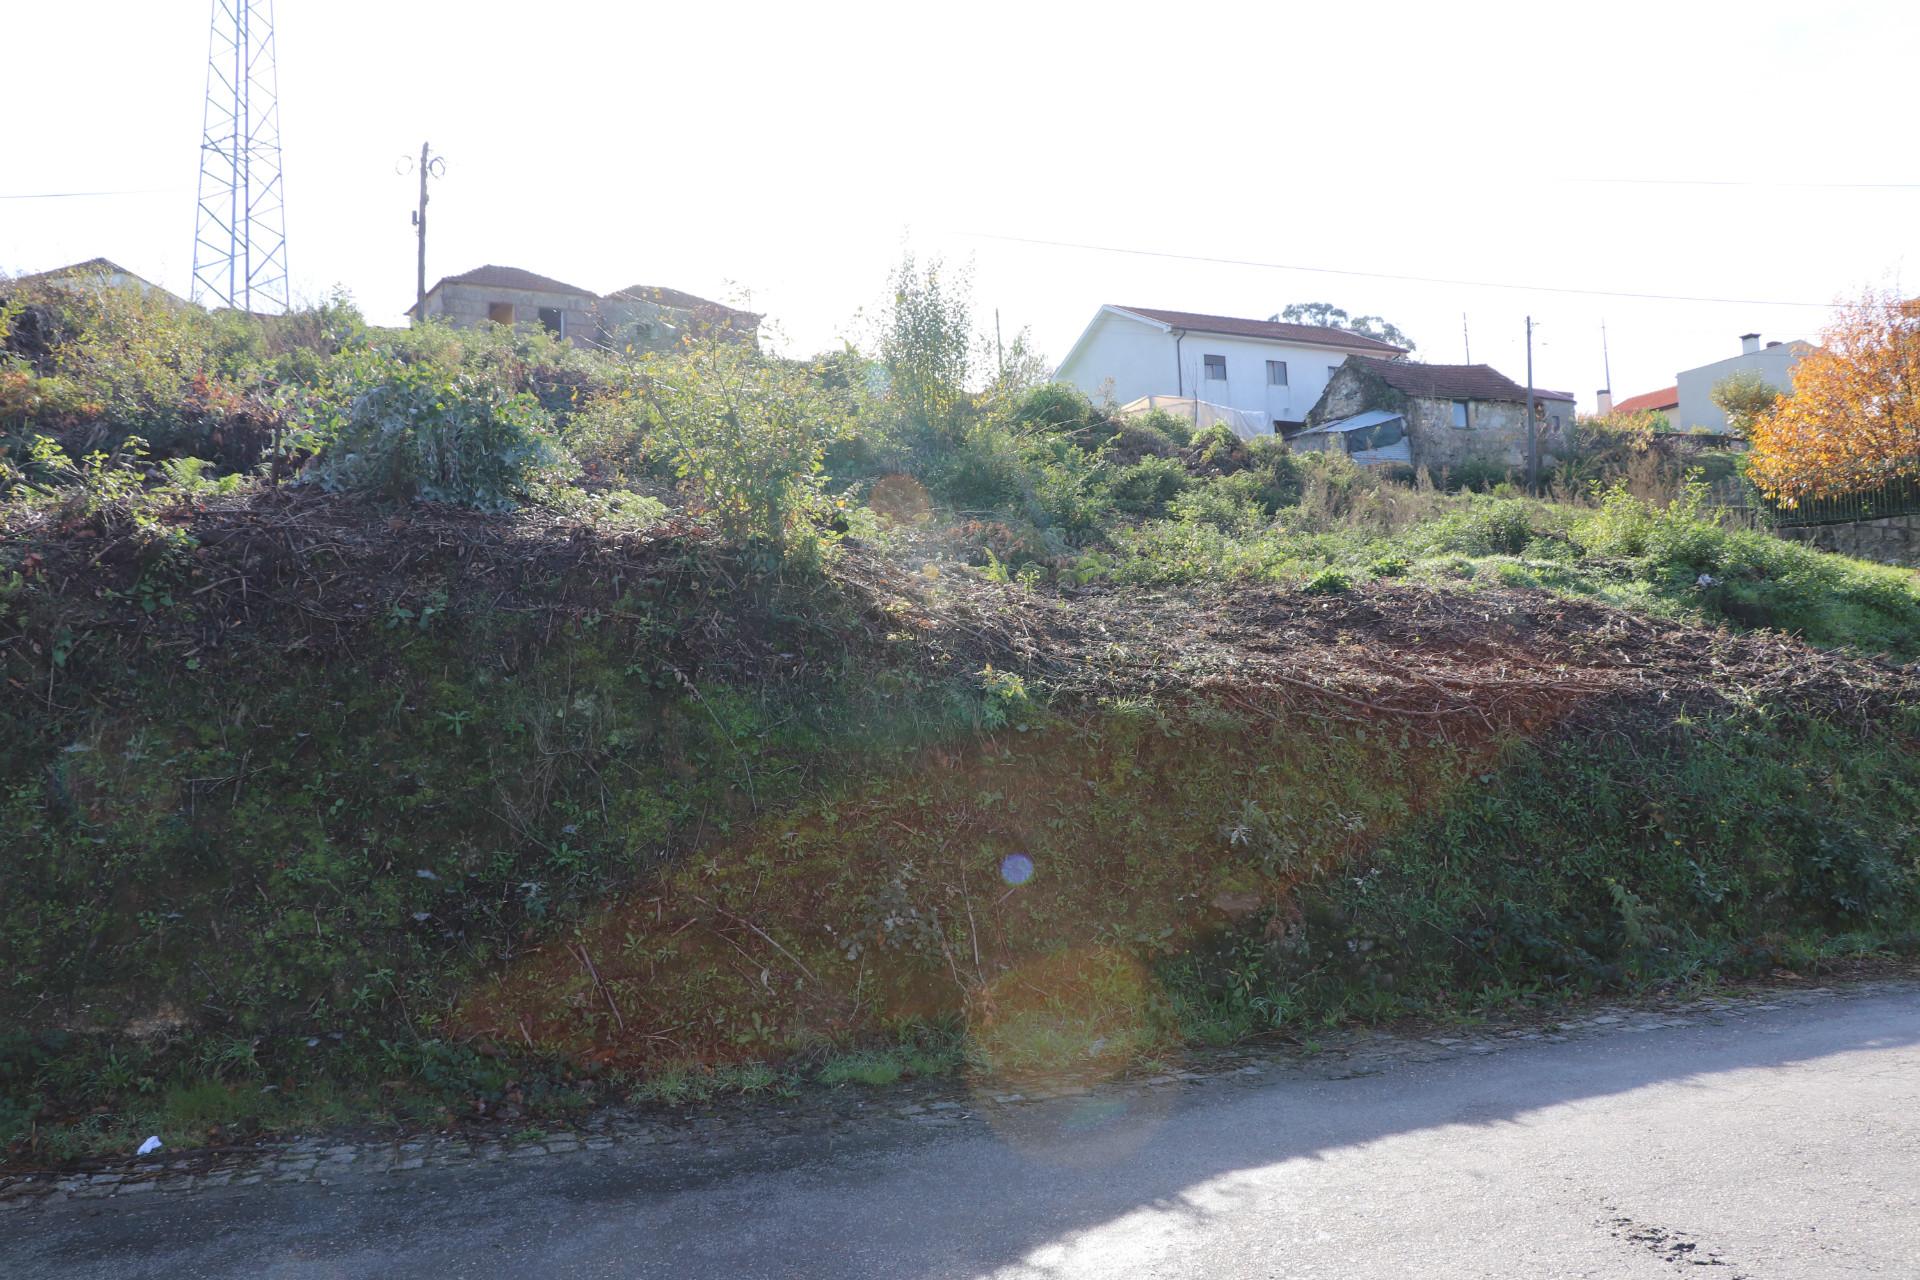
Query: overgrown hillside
x=457, y=726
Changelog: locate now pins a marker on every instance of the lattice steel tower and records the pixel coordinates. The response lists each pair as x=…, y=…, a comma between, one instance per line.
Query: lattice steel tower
x=240, y=234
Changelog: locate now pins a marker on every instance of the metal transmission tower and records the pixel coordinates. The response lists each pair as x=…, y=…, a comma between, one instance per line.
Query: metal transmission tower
x=240, y=234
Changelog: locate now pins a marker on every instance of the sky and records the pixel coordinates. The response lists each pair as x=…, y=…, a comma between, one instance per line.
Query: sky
x=1397, y=159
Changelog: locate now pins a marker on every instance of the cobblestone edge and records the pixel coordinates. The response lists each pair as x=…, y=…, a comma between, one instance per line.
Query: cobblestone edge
x=928, y=1105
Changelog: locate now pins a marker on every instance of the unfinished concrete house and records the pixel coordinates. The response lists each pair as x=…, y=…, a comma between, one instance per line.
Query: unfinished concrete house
x=646, y=317
x=638, y=318
x=1431, y=415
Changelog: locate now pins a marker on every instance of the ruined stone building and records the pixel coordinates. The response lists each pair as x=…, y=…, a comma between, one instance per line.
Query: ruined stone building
x=1431, y=415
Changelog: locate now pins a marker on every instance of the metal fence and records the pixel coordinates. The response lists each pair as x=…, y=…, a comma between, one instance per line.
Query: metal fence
x=1895, y=498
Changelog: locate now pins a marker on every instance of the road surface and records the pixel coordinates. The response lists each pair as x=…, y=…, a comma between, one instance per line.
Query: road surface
x=1785, y=1143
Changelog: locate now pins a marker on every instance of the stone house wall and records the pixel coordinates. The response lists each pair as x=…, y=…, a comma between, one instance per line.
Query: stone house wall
x=1895, y=540
x=1495, y=432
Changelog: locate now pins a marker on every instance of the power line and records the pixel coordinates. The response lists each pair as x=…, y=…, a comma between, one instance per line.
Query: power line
x=87, y=195
x=1744, y=182
x=1387, y=275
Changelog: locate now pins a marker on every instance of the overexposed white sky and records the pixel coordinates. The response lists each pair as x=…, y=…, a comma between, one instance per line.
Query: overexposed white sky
x=786, y=155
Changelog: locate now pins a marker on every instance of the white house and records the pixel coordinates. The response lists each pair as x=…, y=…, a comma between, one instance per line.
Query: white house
x=1694, y=387
x=1269, y=369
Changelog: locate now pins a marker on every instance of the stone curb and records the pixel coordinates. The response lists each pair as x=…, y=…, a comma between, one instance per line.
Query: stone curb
x=1341, y=1055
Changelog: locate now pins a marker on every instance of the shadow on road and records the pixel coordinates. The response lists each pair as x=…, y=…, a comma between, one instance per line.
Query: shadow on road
x=969, y=1201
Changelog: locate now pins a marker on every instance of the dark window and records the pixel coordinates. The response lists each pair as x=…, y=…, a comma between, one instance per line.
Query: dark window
x=553, y=321
x=1459, y=413
x=500, y=312
x=1216, y=368
x=1276, y=373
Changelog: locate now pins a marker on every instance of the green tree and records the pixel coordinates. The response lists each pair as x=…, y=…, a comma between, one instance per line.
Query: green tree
x=1328, y=316
x=927, y=343
x=1743, y=397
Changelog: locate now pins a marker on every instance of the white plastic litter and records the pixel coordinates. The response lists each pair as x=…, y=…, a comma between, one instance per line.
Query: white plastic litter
x=150, y=1146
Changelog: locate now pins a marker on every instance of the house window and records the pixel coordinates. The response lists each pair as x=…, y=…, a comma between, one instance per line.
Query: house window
x=1276, y=373
x=1216, y=368
x=1459, y=413
x=500, y=312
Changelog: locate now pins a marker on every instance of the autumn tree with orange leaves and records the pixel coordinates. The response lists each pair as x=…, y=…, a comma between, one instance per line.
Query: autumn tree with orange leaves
x=1852, y=421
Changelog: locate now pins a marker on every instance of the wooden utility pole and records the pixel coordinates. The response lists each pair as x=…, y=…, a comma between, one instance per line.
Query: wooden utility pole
x=431, y=166
x=1533, y=432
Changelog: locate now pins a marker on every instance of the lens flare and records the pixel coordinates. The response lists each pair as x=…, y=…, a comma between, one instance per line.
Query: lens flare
x=1016, y=868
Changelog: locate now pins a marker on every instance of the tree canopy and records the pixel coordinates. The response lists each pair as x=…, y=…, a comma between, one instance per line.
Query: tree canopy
x=1852, y=421
x=1332, y=317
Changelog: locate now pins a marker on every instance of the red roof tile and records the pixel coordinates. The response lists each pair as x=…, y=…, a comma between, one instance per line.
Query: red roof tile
x=661, y=296
x=494, y=277
x=1450, y=381
x=1665, y=398
x=1273, y=330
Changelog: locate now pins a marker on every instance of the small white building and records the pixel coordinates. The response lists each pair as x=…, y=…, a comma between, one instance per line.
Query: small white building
x=1694, y=387
x=1269, y=369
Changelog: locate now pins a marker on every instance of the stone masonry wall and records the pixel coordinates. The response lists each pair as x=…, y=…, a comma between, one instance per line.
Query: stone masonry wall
x=1496, y=432
x=1895, y=540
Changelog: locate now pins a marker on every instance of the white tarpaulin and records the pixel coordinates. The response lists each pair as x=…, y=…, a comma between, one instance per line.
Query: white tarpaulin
x=1202, y=414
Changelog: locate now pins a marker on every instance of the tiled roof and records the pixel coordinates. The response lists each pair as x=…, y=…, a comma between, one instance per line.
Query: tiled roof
x=494, y=277
x=91, y=267
x=1665, y=398
x=662, y=296
x=1272, y=330
x=1450, y=381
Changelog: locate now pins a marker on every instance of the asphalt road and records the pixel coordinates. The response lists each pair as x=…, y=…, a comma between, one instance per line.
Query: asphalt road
x=1786, y=1144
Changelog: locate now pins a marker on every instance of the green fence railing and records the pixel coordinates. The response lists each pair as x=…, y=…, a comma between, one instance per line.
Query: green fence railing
x=1895, y=498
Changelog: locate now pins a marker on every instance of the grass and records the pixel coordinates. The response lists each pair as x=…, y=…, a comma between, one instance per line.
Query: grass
x=1674, y=561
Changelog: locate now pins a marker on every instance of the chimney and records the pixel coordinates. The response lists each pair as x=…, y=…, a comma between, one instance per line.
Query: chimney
x=1605, y=400
x=1772, y=345
x=1749, y=343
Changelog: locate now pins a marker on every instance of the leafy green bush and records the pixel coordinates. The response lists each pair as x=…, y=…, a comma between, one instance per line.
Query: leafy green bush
x=1146, y=487
x=1056, y=406
x=1232, y=504
x=423, y=430
x=1134, y=440
x=1330, y=581
x=1483, y=527
x=746, y=436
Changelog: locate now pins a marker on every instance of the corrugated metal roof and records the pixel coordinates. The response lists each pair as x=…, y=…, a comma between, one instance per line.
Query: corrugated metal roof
x=1359, y=421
